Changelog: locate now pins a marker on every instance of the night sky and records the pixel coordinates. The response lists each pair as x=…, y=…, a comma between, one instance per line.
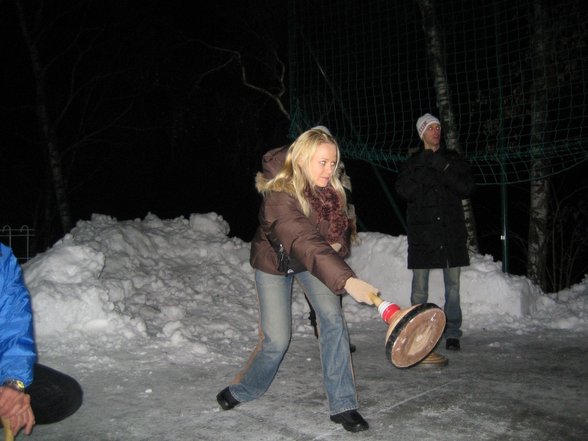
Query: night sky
x=147, y=104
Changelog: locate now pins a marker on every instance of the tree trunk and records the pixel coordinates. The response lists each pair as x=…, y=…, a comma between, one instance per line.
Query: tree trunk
x=435, y=54
x=46, y=125
x=539, y=187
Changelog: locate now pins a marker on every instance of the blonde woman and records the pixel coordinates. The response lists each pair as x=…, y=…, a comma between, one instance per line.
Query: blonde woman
x=303, y=234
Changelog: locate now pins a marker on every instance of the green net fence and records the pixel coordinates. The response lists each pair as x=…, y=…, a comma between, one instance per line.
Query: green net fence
x=515, y=74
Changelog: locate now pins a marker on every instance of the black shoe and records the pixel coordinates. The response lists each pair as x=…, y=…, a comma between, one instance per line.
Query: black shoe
x=352, y=348
x=226, y=400
x=312, y=318
x=452, y=344
x=351, y=421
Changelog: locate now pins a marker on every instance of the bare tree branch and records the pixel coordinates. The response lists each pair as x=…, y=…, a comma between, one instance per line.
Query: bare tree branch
x=236, y=56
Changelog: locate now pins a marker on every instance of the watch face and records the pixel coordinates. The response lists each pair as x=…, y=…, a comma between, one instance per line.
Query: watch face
x=15, y=384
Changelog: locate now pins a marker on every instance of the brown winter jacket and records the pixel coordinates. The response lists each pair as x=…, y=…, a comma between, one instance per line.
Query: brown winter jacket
x=282, y=219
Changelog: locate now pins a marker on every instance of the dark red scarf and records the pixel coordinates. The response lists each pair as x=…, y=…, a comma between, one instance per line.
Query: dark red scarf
x=326, y=204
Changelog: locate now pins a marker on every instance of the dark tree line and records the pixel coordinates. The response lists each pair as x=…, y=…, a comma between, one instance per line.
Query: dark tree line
x=128, y=107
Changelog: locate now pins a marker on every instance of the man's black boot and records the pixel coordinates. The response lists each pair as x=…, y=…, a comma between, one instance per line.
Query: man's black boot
x=452, y=344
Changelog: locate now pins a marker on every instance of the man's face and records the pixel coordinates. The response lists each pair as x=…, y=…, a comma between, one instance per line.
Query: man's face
x=432, y=137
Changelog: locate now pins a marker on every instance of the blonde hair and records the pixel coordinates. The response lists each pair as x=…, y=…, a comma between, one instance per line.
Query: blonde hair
x=294, y=177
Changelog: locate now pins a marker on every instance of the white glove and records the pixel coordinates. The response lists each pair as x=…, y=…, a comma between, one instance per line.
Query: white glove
x=360, y=291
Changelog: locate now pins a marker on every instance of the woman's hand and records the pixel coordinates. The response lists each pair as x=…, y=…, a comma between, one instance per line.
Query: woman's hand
x=16, y=408
x=360, y=291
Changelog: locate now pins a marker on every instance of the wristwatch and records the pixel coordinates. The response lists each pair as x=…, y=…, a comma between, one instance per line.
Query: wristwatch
x=17, y=385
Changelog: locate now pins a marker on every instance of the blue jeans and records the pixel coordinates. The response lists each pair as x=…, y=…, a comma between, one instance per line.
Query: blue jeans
x=275, y=311
x=452, y=308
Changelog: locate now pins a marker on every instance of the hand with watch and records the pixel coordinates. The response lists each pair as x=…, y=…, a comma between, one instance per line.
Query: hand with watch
x=15, y=407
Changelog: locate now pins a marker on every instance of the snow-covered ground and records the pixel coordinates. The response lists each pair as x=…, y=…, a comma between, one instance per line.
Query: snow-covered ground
x=154, y=316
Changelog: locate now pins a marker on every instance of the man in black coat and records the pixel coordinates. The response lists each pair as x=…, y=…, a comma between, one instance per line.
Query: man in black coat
x=434, y=182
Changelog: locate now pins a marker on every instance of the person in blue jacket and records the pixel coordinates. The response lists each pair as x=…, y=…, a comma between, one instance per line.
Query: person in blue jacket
x=30, y=393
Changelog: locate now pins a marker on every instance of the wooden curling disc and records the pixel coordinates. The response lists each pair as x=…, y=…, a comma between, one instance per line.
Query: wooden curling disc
x=413, y=333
